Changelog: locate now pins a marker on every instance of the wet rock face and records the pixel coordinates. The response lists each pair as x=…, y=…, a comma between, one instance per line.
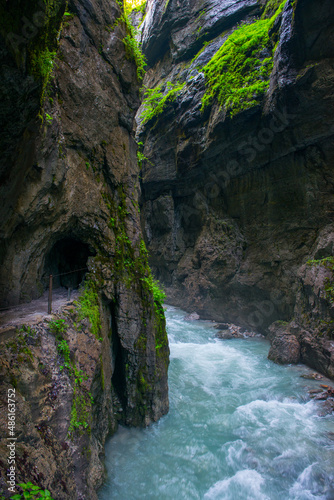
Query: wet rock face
x=182, y=27
x=234, y=207
x=44, y=396
x=63, y=163
x=285, y=348
x=70, y=200
x=67, y=404
x=291, y=344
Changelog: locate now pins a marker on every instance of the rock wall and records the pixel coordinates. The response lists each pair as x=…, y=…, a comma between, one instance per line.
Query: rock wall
x=69, y=200
x=234, y=206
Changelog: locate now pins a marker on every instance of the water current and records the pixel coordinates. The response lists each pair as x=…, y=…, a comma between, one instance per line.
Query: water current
x=239, y=428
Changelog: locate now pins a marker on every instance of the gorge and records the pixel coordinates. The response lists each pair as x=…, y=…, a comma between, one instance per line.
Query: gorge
x=192, y=138
x=239, y=427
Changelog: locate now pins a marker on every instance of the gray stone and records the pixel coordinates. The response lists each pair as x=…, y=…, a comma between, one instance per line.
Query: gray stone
x=285, y=350
x=191, y=317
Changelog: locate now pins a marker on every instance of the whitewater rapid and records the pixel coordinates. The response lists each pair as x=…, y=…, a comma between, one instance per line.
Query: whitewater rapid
x=239, y=428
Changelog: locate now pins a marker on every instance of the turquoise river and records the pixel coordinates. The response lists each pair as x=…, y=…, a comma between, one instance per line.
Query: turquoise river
x=239, y=428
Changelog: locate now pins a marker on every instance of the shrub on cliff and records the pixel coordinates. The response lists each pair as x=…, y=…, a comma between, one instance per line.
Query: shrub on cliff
x=31, y=492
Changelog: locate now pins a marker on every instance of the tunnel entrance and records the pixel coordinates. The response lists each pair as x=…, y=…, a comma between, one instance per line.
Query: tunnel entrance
x=67, y=262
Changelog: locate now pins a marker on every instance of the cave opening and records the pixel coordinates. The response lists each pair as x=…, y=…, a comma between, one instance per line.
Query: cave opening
x=67, y=262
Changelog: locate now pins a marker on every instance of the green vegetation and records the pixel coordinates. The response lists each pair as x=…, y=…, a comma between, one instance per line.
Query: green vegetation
x=271, y=8
x=328, y=263
x=49, y=118
x=80, y=411
x=88, y=306
x=132, y=48
x=238, y=75
x=134, y=52
x=130, y=5
x=282, y=323
x=154, y=286
x=42, y=64
x=166, y=5
x=155, y=100
x=19, y=345
x=31, y=492
x=32, y=35
x=131, y=268
x=140, y=156
x=130, y=263
x=82, y=399
x=43, y=52
x=57, y=326
x=64, y=350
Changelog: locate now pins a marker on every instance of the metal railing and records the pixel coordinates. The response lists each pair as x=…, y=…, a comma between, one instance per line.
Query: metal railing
x=51, y=285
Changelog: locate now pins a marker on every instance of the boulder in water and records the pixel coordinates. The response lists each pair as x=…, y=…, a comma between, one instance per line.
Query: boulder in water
x=191, y=317
x=229, y=334
x=285, y=349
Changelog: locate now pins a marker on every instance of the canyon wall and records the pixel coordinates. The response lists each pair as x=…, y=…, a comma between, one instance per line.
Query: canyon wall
x=69, y=201
x=236, y=201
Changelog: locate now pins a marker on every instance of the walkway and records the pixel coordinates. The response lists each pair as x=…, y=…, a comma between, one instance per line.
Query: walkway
x=32, y=312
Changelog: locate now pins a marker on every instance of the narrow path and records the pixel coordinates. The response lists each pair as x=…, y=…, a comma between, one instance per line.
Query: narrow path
x=32, y=312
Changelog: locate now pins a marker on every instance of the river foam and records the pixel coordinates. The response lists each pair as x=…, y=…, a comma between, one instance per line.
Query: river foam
x=239, y=427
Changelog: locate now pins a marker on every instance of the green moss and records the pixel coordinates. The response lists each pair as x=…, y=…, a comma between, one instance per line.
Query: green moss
x=156, y=100
x=166, y=5
x=82, y=399
x=130, y=262
x=140, y=156
x=43, y=49
x=132, y=47
x=328, y=263
x=282, y=323
x=42, y=64
x=130, y=267
x=88, y=306
x=238, y=75
x=32, y=36
x=161, y=339
x=19, y=345
x=80, y=412
x=271, y=8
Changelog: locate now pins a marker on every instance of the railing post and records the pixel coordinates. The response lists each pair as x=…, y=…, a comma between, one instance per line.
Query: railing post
x=50, y=295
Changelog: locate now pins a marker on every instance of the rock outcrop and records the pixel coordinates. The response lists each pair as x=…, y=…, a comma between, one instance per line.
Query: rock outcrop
x=235, y=204
x=69, y=201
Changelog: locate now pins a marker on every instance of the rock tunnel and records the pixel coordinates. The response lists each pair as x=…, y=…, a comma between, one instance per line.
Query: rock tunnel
x=67, y=262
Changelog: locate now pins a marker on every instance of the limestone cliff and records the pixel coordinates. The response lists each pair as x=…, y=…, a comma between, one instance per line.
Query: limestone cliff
x=69, y=201
x=238, y=185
